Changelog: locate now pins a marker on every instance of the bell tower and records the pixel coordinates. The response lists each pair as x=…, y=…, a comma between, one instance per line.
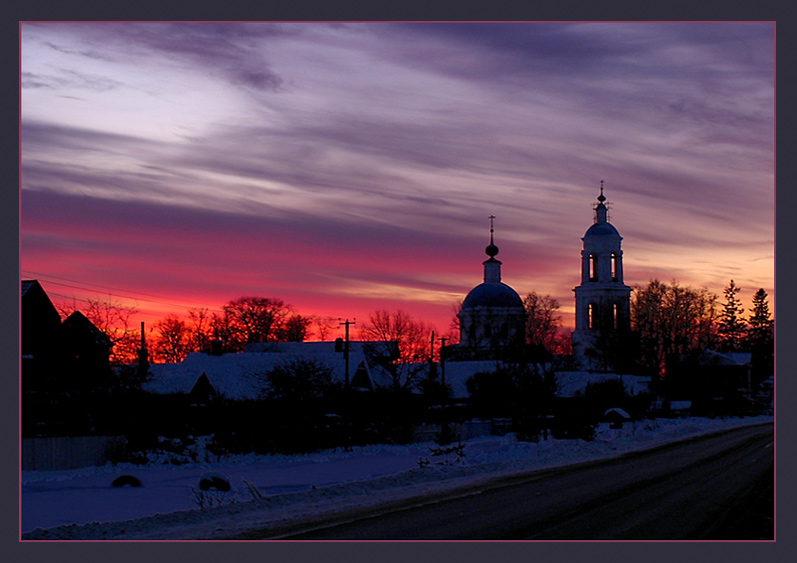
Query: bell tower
x=603, y=301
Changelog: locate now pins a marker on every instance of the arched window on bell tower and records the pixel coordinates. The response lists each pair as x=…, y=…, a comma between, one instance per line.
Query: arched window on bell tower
x=615, y=318
x=615, y=265
x=591, y=313
x=593, y=267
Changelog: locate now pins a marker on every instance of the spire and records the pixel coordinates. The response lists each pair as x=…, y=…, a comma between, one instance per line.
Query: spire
x=600, y=209
x=492, y=267
x=491, y=250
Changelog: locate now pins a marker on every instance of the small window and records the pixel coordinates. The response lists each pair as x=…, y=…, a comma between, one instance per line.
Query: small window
x=614, y=316
x=614, y=267
x=591, y=312
x=593, y=267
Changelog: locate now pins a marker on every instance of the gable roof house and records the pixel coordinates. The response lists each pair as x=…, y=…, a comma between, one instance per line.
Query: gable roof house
x=237, y=376
x=40, y=324
x=59, y=362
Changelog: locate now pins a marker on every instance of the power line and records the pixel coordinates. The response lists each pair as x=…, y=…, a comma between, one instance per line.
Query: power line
x=93, y=284
x=107, y=290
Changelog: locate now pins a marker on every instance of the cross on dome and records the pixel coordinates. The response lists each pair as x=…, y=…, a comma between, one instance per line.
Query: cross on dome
x=600, y=208
x=491, y=250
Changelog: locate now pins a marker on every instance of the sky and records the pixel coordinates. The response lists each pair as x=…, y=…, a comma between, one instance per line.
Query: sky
x=350, y=167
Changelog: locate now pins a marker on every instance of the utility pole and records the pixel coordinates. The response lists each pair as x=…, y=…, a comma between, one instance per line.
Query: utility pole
x=143, y=356
x=346, y=323
x=443, y=340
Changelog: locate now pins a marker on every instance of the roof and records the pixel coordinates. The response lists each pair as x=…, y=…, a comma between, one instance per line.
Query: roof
x=602, y=229
x=712, y=357
x=568, y=383
x=492, y=294
x=25, y=285
x=458, y=373
x=77, y=324
x=236, y=376
x=571, y=382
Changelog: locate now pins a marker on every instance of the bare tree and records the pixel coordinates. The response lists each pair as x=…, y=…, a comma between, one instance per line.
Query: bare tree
x=671, y=320
x=396, y=340
x=114, y=319
x=294, y=328
x=252, y=319
x=543, y=321
x=173, y=340
x=324, y=325
x=200, y=331
x=455, y=328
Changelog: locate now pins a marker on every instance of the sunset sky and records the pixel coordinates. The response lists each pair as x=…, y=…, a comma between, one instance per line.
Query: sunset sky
x=345, y=168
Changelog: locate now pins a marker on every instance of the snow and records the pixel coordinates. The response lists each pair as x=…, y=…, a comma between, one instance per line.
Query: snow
x=571, y=383
x=82, y=504
x=238, y=376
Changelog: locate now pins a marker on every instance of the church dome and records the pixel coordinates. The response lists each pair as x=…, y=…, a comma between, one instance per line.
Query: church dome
x=601, y=226
x=492, y=294
x=601, y=230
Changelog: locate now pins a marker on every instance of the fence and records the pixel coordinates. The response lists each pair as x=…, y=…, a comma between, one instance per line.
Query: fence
x=69, y=452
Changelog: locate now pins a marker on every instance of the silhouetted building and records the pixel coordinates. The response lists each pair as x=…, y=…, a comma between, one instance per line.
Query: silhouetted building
x=86, y=353
x=492, y=319
x=40, y=323
x=62, y=364
x=603, y=301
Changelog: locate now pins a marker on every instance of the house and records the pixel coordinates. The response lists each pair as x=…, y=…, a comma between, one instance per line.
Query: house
x=40, y=331
x=62, y=364
x=238, y=376
x=616, y=417
x=714, y=382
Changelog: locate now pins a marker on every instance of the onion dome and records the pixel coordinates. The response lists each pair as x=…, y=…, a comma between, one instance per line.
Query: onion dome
x=492, y=293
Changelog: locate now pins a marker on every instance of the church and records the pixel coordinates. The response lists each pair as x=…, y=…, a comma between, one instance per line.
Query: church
x=603, y=301
x=492, y=325
x=492, y=318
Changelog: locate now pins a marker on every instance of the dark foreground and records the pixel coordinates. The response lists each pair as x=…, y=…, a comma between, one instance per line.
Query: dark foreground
x=719, y=487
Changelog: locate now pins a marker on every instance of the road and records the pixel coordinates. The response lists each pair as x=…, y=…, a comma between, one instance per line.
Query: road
x=716, y=487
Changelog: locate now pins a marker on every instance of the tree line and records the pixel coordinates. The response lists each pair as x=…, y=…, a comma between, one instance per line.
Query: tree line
x=673, y=322
x=669, y=320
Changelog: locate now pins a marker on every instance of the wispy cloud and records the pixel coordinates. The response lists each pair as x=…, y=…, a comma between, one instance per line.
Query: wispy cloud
x=347, y=156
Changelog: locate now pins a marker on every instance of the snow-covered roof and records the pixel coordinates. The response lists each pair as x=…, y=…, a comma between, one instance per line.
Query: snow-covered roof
x=726, y=359
x=236, y=376
x=571, y=382
x=680, y=405
x=458, y=373
x=25, y=286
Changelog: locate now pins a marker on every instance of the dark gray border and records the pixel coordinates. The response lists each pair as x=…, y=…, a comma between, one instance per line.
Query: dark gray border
x=414, y=552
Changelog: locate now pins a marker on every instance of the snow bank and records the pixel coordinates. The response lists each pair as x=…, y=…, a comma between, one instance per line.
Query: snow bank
x=278, y=489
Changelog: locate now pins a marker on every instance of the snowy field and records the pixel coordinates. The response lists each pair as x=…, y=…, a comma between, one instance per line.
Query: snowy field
x=83, y=504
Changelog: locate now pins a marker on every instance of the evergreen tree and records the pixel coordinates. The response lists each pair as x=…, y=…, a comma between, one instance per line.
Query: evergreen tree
x=732, y=327
x=760, y=337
